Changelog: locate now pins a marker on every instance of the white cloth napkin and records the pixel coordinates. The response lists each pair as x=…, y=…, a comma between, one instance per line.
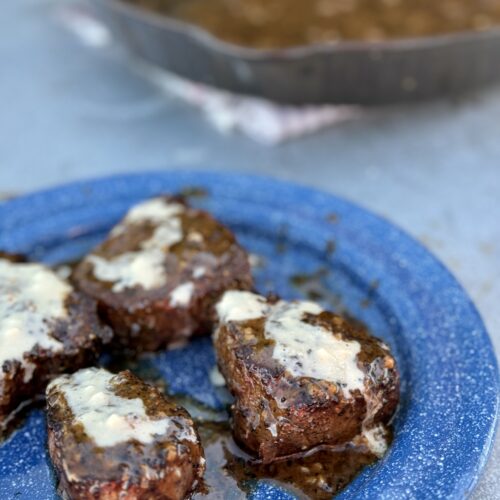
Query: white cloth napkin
x=259, y=119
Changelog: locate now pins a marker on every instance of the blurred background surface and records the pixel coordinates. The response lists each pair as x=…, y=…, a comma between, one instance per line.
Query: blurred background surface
x=74, y=107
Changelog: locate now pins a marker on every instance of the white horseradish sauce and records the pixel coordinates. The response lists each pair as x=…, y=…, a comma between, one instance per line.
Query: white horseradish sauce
x=109, y=419
x=305, y=350
x=31, y=297
x=146, y=266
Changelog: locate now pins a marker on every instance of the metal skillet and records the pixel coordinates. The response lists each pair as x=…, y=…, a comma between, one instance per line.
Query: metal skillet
x=367, y=73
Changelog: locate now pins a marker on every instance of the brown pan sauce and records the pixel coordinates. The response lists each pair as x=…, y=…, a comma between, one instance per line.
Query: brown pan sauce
x=286, y=23
x=231, y=472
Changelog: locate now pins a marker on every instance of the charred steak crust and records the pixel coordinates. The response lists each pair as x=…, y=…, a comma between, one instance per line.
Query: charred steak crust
x=12, y=257
x=276, y=414
x=205, y=259
x=80, y=333
x=166, y=468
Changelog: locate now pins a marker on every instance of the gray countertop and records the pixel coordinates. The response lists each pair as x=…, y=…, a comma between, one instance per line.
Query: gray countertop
x=70, y=111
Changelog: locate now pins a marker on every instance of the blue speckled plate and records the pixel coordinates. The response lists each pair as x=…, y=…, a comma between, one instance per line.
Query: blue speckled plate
x=445, y=425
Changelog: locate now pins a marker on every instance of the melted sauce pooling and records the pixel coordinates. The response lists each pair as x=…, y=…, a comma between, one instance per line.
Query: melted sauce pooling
x=232, y=474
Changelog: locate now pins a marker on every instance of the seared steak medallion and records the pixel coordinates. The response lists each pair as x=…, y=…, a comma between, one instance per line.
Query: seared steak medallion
x=46, y=328
x=160, y=272
x=115, y=437
x=302, y=377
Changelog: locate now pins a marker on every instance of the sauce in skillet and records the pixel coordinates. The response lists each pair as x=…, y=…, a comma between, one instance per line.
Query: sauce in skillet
x=286, y=23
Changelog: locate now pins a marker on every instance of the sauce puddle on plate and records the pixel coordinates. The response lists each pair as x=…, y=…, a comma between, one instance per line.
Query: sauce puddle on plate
x=232, y=474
